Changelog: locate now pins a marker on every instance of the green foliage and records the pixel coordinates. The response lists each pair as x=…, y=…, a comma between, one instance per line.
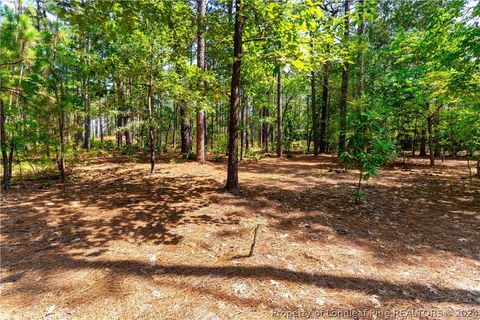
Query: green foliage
x=218, y=153
x=131, y=149
x=367, y=146
x=189, y=155
x=256, y=156
x=74, y=60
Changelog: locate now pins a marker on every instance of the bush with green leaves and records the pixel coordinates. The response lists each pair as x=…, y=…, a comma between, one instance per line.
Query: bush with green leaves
x=253, y=155
x=218, y=153
x=368, y=146
x=190, y=155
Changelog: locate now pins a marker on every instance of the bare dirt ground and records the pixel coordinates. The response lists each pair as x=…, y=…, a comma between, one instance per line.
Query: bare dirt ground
x=124, y=245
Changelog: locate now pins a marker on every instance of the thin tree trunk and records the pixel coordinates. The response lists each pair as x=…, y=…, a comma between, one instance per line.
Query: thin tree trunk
x=212, y=132
x=88, y=120
x=423, y=143
x=128, y=138
x=120, y=99
x=279, y=115
x=185, y=130
x=119, y=132
x=175, y=124
x=3, y=134
x=151, y=132
x=242, y=131
x=344, y=91
x=431, y=144
x=323, y=115
x=101, y=130
x=232, y=173
x=360, y=62
x=265, y=130
x=314, y=114
x=61, y=156
x=436, y=120
x=201, y=8
x=246, y=123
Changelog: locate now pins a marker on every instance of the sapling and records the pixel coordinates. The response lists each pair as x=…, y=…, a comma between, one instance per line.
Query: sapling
x=367, y=146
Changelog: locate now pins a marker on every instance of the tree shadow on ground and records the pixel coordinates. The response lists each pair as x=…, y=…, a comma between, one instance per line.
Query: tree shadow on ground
x=411, y=214
x=55, y=235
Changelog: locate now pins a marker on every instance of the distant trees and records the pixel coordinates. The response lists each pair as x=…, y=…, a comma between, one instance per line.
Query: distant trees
x=74, y=75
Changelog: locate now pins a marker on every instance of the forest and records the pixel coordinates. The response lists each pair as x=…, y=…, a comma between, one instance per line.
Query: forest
x=250, y=159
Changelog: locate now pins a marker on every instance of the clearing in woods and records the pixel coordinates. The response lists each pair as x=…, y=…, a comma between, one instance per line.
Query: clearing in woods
x=123, y=244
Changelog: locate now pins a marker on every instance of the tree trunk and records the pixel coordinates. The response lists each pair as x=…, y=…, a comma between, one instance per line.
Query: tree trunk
x=101, y=131
x=431, y=142
x=61, y=156
x=344, y=91
x=245, y=121
x=323, y=116
x=175, y=124
x=119, y=132
x=151, y=132
x=88, y=120
x=423, y=143
x=201, y=8
x=436, y=120
x=185, y=130
x=279, y=115
x=360, y=62
x=128, y=138
x=232, y=173
x=315, y=136
x=242, y=131
x=265, y=130
x=212, y=132
x=120, y=100
x=3, y=134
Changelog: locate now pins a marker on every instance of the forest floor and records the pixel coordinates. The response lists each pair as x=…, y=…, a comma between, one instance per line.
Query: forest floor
x=125, y=245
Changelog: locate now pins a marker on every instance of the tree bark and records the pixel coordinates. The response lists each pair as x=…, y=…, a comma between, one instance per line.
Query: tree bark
x=201, y=8
x=232, y=173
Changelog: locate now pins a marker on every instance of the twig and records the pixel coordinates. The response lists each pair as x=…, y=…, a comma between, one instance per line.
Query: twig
x=255, y=229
